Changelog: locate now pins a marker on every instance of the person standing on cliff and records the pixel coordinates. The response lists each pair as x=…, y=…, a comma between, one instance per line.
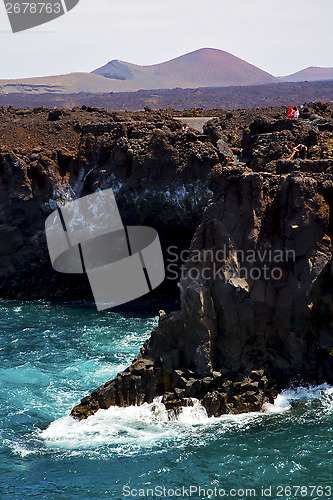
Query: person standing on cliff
x=296, y=112
x=290, y=113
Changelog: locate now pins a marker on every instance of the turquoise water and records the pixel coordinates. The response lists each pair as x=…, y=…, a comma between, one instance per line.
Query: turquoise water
x=53, y=355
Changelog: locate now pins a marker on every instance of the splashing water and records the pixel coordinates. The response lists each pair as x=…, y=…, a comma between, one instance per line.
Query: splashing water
x=52, y=356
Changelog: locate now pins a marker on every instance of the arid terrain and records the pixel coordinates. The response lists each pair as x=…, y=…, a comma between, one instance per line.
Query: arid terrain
x=258, y=96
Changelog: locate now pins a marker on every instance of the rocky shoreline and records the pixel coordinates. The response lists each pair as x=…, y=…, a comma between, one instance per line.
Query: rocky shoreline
x=241, y=337
x=256, y=288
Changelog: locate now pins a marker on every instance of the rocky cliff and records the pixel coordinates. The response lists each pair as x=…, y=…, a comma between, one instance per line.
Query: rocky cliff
x=256, y=286
x=160, y=177
x=256, y=289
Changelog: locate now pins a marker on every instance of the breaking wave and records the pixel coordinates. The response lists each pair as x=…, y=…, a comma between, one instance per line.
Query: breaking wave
x=149, y=424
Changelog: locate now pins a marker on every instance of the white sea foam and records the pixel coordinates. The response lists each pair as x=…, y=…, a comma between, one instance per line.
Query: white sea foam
x=307, y=395
x=134, y=424
x=149, y=424
x=20, y=450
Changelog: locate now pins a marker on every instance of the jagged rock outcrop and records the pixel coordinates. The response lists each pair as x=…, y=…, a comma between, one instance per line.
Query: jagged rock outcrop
x=47, y=157
x=254, y=295
x=256, y=291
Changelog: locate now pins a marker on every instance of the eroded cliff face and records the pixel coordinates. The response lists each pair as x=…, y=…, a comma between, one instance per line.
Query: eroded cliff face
x=160, y=177
x=256, y=289
x=256, y=292
x=256, y=297
x=258, y=308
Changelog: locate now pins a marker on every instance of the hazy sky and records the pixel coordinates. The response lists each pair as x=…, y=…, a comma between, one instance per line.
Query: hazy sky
x=280, y=36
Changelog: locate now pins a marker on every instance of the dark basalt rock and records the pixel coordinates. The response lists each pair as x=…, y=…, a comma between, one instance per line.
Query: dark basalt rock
x=55, y=115
x=48, y=157
x=143, y=381
x=240, y=335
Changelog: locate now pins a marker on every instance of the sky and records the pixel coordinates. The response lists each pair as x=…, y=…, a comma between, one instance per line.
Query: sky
x=278, y=36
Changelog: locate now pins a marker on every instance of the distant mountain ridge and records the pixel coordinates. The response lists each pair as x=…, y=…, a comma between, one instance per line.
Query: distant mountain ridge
x=201, y=68
x=311, y=74
x=198, y=69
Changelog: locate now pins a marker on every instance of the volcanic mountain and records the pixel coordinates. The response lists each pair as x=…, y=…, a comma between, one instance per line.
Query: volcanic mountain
x=201, y=68
x=311, y=74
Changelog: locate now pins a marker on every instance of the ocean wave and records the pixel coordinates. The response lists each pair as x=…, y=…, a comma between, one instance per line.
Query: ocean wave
x=21, y=449
x=135, y=427
x=319, y=395
x=134, y=424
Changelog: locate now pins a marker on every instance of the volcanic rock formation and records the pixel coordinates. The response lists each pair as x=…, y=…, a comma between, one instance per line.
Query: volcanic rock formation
x=311, y=74
x=159, y=175
x=201, y=68
x=256, y=290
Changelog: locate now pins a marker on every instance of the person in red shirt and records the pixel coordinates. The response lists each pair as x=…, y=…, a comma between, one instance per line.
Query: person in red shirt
x=290, y=113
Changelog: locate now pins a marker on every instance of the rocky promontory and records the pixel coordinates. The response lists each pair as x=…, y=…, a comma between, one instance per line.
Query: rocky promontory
x=256, y=215
x=256, y=297
x=256, y=289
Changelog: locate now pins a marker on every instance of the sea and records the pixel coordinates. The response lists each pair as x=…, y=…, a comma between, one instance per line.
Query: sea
x=52, y=355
